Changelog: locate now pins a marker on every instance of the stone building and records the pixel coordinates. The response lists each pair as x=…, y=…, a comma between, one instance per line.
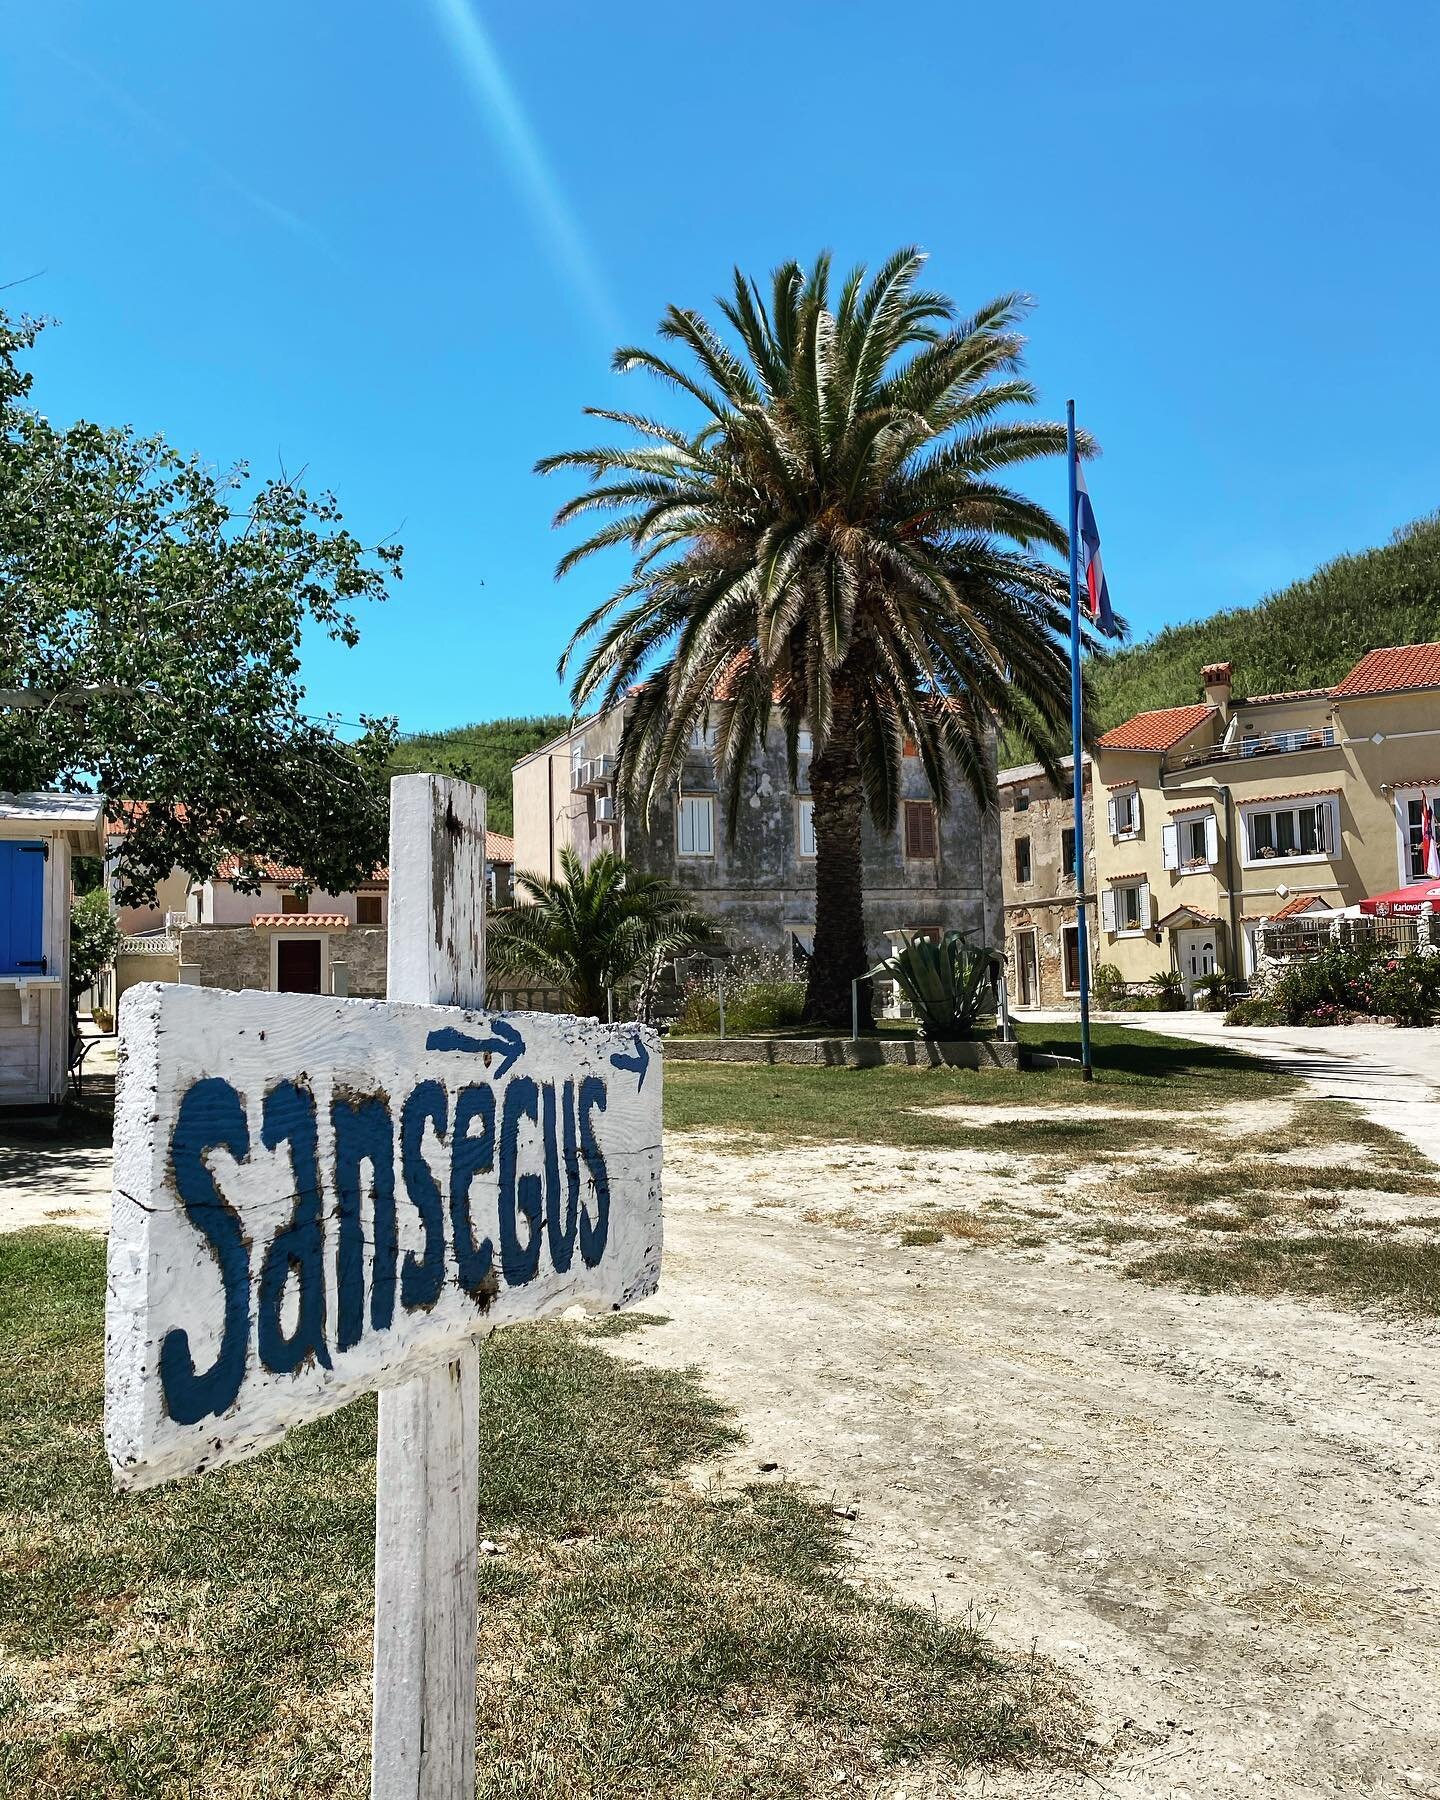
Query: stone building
x=1037, y=860
x=285, y=938
x=935, y=872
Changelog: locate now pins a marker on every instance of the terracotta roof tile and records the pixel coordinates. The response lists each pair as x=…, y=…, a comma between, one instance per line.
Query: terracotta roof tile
x=1301, y=903
x=1294, y=694
x=1296, y=794
x=1156, y=730
x=499, y=848
x=1391, y=671
x=301, y=921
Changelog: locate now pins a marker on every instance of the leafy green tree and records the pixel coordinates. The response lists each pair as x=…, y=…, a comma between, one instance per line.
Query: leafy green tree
x=94, y=938
x=593, y=929
x=836, y=545
x=151, y=614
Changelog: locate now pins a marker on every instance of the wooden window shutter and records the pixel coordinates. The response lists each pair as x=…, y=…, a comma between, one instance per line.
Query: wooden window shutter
x=919, y=829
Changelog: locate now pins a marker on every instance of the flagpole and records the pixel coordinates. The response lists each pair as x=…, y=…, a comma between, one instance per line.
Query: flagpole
x=1087, y=1068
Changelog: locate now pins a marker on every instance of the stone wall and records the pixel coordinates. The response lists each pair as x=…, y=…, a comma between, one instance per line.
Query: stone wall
x=238, y=956
x=1034, y=813
x=362, y=952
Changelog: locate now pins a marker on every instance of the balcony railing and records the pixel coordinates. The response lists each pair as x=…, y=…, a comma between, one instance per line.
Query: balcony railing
x=1272, y=743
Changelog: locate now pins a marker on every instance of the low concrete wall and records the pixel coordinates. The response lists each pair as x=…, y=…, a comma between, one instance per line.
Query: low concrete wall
x=851, y=1053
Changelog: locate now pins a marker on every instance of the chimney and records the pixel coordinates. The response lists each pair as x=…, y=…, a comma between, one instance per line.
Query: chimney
x=1216, y=677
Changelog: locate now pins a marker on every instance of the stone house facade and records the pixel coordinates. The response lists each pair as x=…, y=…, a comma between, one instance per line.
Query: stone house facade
x=1037, y=858
x=935, y=872
x=285, y=938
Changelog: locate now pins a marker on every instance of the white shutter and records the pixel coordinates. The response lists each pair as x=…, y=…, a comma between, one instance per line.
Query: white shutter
x=1170, y=846
x=1212, y=840
x=1107, y=908
x=1143, y=896
x=1111, y=806
x=1137, y=816
x=1322, y=826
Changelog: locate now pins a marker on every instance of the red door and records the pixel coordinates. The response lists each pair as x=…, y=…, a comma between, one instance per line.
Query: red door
x=297, y=966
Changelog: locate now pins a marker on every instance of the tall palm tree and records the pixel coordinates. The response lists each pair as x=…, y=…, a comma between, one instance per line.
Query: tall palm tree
x=593, y=929
x=834, y=544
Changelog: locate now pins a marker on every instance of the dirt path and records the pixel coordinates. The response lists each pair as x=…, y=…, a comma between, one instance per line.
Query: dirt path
x=1224, y=1514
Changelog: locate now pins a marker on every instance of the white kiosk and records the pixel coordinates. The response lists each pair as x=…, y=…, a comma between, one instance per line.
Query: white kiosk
x=39, y=833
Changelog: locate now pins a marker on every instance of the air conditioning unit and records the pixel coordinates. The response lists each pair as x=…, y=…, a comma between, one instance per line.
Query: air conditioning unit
x=606, y=812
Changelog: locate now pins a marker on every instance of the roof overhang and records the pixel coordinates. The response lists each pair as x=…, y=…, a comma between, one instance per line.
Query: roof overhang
x=78, y=817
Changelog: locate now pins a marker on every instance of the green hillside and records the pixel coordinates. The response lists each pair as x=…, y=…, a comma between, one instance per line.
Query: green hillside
x=482, y=753
x=1307, y=635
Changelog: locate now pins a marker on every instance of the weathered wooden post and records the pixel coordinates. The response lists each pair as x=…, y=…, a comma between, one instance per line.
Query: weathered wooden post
x=427, y=1460
x=317, y=1197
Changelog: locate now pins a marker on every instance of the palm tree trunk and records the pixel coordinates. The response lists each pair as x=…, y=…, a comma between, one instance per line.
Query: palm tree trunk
x=840, y=953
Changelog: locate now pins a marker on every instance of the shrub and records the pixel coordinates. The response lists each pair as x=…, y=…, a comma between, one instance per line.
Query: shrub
x=94, y=938
x=1107, y=984
x=762, y=993
x=1367, y=980
x=1170, y=989
x=1254, y=1011
x=1212, y=993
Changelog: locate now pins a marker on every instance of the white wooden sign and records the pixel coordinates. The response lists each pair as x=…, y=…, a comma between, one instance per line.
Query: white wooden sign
x=315, y=1198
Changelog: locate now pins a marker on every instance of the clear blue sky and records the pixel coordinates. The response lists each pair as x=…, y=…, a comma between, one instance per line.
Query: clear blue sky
x=395, y=240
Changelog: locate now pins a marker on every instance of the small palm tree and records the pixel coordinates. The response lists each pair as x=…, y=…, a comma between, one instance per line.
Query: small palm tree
x=836, y=545
x=594, y=928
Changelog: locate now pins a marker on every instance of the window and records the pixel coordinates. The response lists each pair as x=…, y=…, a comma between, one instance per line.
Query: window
x=367, y=909
x=1126, y=908
x=1022, y=799
x=294, y=902
x=1070, y=964
x=909, y=748
x=932, y=934
x=1191, y=843
x=1022, y=859
x=1413, y=815
x=919, y=829
x=1125, y=814
x=803, y=742
x=696, y=835
x=1305, y=828
x=702, y=735
x=1067, y=852
x=806, y=810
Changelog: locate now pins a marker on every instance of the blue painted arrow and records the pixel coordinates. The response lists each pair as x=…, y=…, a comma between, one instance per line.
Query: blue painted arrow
x=640, y=1061
x=507, y=1043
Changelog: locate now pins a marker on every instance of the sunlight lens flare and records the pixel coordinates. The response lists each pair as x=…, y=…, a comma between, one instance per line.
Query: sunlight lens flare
x=515, y=138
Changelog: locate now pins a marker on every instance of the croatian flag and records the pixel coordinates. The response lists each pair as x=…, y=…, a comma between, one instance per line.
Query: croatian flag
x=1429, y=843
x=1092, y=570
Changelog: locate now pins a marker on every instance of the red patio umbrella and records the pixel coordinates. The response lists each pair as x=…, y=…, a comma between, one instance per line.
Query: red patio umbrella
x=1404, y=902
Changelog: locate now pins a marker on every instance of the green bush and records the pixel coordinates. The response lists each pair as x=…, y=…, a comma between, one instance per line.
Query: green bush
x=1212, y=993
x=767, y=1003
x=1170, y=990
x=1255, y=1011
x=1369, y=980
x=94, y=938
x=1107, y=985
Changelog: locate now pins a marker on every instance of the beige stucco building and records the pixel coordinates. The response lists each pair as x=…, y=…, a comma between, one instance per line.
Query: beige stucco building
x=1212, y=818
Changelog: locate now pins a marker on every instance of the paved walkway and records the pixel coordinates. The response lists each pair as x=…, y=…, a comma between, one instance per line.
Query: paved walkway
x=1392, y=1075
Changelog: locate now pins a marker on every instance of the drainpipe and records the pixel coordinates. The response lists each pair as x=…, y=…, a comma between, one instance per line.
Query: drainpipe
x=1235, y=960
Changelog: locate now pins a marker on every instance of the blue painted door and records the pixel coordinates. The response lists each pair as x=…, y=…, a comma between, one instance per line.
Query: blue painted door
x=22, y=908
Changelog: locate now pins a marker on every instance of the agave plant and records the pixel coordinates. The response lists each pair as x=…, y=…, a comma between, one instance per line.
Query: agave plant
x=948, y=984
